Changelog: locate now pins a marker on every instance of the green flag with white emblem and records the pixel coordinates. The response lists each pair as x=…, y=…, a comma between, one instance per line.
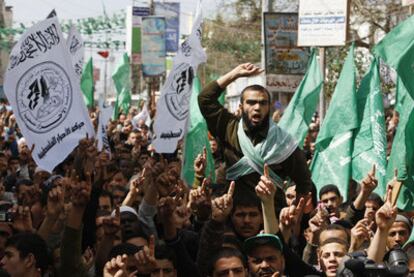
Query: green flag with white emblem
x=332, y=160
x=397, y=50
x=402, y=152
x=196, y=139
x=370, y=142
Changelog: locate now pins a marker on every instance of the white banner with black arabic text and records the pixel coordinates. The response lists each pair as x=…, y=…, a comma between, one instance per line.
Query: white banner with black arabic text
x=43, y=90
x=173, y=105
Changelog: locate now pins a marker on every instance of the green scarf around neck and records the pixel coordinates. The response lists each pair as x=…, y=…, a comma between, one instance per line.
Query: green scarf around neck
x=276, y=148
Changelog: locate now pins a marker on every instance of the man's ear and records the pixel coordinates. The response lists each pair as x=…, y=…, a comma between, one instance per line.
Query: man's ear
x=29, y=261
x=341, y=200
x=241, y=106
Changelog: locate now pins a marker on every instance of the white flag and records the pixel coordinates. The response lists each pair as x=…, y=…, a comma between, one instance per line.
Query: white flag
x=173, y=105
x=105, y=113
x=142, y=115
x=75, y=44
x=44, y=92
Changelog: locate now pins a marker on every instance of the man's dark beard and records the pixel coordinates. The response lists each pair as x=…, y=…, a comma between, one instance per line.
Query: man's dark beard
x=252, y=128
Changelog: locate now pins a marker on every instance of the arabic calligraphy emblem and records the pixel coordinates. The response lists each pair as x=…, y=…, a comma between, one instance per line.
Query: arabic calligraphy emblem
x=178, y=97
x=44, y=97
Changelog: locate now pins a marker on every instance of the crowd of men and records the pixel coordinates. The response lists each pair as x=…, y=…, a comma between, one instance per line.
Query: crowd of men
x=128, y=212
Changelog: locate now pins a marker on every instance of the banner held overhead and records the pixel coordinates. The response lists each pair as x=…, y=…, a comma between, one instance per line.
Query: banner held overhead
x=44, y=92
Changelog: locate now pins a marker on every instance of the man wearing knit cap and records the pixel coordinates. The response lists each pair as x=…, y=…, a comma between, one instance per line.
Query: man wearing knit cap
x=400, y=232
x=129, y=221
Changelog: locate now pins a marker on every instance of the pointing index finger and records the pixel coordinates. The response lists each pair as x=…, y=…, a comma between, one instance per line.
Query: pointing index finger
x=204, y=152
x=230, y=192
x=151, y=246
x=266, y=170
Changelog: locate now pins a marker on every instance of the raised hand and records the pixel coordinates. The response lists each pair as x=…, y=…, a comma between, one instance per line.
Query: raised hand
x=289, y=216
x=116, y=267
x=319, y=220
x=22, y=219
x=145, y=258
x=200, y=201
x=55, y=200
x=137, y=183
x=112, y=224
x=369, y=183
x=200, y=163
x=88, y=258
x=385, y=216
x=247, y=70
x=167, y=206
x=81, y=191
x=360, y=233
x=221, y=206
x=265, y=189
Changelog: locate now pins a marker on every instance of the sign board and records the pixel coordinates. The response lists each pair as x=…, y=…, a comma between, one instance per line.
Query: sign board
x=133, y=26
x=283, y=83
x=407, y=2
x=322, y=22
x=281, y=51
x=171, y=12
x=153, y=46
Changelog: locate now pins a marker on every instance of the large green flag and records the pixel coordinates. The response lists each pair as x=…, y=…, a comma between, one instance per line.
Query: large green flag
x=122, y=83
x=370, y=142
x=402, y=152
x=196, y=139
x=87, y=83
x=298, y=115
x=397, y=50
x=332, y=160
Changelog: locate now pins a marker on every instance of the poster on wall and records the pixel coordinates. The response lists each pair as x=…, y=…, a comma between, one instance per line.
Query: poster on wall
x=153, y=46
x=171, y=12
x=286, y=63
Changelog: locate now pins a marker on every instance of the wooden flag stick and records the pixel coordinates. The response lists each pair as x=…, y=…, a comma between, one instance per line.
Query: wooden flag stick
x=396, y=187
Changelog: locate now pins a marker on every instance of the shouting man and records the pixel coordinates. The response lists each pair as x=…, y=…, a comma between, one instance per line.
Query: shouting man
x=253, y=140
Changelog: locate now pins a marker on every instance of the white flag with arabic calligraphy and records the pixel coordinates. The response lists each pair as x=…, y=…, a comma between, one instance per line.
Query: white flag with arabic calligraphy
x=173, y=105
x=44, y=92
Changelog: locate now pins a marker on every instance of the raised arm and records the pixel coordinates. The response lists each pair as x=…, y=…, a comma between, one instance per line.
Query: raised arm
x=216, y=115
x=242, y=70
x=266, y=190
x=355, y=212
x=384, y=219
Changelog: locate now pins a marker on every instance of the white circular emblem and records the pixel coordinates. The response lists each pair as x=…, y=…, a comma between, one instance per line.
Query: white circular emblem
x=44, y=97
x=178, y=96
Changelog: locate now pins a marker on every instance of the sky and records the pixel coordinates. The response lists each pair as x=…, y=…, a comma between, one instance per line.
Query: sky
x=29, y=11
x=74, y=9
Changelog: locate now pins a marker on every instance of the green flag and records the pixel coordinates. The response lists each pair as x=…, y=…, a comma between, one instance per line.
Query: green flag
x=196, y=139
x=87, y=83
x=122, y=86
x=332, y=160
x=397, y=50
x=370, y=142
x=402, y=152
x=298, y=115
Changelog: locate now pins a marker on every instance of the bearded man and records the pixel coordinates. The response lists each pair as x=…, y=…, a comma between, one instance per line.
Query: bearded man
x=253, y=140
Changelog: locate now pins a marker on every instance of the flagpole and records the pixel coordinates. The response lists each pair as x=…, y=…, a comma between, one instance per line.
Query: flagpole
x=105, y=73
x=322, y=97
